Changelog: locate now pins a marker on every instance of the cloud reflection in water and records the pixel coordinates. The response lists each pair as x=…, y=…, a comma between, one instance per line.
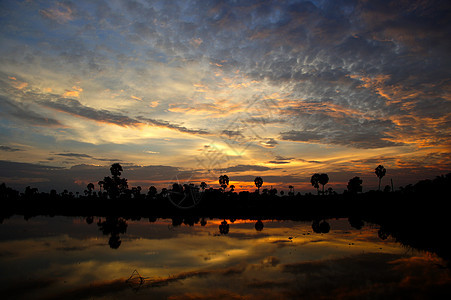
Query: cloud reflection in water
x=67, y=258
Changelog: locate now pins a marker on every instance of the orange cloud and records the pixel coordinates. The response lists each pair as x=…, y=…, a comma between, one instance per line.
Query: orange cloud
x=75, y=92
x=17, y=84
x=69, y=94
x=329, y=109
x=221, y=108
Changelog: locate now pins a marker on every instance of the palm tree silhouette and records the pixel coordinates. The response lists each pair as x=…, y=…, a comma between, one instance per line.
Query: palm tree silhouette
x=203, y=186
x=355, y=185
x=224, y=181
x=380, y=172
x=323, y=180
x=258, y=183
x=116, y=170
x=315, y=181
x=115, y=186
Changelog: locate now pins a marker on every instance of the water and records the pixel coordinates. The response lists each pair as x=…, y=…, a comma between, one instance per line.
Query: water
x=65, y=257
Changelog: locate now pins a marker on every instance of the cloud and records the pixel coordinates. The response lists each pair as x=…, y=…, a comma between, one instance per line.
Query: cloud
x=269, y=143
x=45, y=177
x=246, y=168
x=77, y=155
x=353, y=135
x=61, y=13
x=82, y=155
x=25, y=113
x=282, y=179
x=166, y=124
x=9, y=149
x=278, y=162
x=74, y=107
x=151, y=152
x=340, y=73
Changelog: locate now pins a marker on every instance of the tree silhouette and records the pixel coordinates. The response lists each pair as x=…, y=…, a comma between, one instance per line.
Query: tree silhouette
x=380, y=172
x=258, y=183
x=30, y=192
x=330, y=191
x=224, y=181
x=116, y=170
x=152, y=191
x=203, y=185
x=273, y=191
x=291, y=190
x=232, y=188
x=314, y=180
x=387, y=189
x=355, y=185
x=90, y=188
x=323, y=180
x=115, y=186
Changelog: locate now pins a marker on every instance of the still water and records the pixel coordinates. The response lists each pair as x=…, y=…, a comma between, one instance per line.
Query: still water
x=96, y=258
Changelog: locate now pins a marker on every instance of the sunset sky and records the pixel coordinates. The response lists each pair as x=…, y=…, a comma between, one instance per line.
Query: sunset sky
x=190, y=90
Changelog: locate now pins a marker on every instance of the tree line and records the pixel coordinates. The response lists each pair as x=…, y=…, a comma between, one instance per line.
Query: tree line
x=116, y=187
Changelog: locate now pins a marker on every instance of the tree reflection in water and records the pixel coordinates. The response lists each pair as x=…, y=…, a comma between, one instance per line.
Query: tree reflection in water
x=113, y=226
x=259, y=225
x=320, y=227
x=401, y=231
x=224, y=227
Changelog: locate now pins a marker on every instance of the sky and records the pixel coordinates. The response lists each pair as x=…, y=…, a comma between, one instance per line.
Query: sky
x=190, y=90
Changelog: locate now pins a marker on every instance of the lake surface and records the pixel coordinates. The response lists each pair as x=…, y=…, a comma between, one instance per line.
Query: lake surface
x=66, y=257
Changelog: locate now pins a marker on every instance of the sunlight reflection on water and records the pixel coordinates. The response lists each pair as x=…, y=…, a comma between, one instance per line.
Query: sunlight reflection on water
x=65, y=257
